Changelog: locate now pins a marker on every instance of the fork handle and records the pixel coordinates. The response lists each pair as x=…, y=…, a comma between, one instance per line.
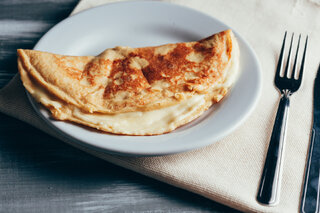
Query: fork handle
x=270, y=180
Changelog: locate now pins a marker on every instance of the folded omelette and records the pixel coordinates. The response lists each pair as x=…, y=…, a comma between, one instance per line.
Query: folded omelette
x=133, y=91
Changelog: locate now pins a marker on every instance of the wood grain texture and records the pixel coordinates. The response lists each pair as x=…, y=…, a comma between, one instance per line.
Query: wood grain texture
x=39, y=173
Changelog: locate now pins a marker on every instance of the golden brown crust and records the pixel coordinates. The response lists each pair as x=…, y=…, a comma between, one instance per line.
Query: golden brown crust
x=125, y=79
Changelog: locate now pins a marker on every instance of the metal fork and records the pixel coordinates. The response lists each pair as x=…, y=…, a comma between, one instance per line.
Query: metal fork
x=270, y=180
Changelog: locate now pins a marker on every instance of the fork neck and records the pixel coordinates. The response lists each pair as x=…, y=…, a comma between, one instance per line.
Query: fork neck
x=286, y=93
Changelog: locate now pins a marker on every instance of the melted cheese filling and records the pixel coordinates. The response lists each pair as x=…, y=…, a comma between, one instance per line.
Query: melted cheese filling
x=151, y=122
x=142, y=122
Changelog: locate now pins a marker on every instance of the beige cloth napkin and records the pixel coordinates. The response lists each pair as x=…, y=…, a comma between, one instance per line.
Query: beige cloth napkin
x=229, y=170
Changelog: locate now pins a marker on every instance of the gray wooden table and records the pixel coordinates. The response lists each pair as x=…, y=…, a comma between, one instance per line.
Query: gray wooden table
x=39, y=173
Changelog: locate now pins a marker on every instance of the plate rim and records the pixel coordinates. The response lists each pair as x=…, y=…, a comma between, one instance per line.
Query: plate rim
x=250, y=108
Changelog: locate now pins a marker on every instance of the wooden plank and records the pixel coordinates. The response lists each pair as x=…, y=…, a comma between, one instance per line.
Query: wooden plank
x=38, y=172
x=22, y=23
x=55, y=10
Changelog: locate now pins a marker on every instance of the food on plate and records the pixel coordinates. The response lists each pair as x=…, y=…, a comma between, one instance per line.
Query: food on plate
x=133, y=91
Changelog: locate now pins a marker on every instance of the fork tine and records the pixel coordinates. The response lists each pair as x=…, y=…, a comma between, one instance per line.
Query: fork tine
x=289, y=58
x=303, y=59
x=295, y=59
x=280, y=62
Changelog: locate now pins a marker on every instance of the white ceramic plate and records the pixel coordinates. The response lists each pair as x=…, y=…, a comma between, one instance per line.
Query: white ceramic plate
x=147, y=23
